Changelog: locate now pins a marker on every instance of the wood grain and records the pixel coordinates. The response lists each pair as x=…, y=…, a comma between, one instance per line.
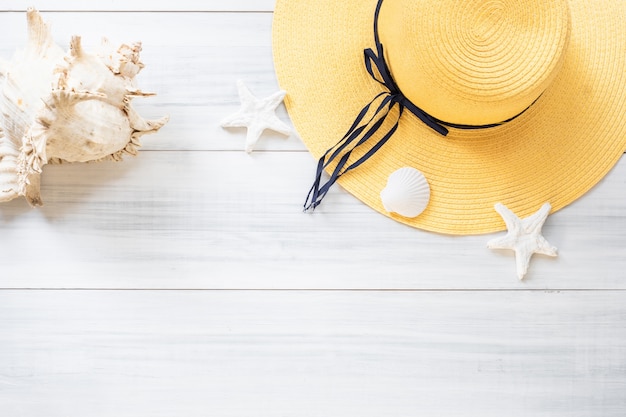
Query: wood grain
x=232, y=220
x=175, y=353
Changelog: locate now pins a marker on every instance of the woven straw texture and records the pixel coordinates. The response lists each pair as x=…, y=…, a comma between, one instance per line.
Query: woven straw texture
x=558, y=149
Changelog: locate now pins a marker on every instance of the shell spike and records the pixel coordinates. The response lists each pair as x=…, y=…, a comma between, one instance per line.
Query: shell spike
x=33, y=191
x=129, y=62
x=133, y=92
x=39, y=36
x=66, y=98
x=30, y=165
x=143, y=126
x=76, y=47
x=135, y=50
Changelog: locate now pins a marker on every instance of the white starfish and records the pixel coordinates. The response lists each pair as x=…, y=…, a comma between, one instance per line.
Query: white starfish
x=524, y=236
x=256, y=115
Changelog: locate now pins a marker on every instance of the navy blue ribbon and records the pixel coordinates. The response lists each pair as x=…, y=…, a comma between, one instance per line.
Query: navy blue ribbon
x=364, y=128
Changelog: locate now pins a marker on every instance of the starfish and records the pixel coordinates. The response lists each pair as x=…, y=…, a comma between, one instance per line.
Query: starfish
x=256, y=115
x=524, y=236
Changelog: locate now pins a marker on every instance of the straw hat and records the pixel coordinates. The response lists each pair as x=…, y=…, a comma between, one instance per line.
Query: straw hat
x=536, y=88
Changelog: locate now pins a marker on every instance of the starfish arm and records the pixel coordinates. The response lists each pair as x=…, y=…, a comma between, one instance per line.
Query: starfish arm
x=504, y=242
x=536, y=221
x=277, y=125
x=511, y=221
x=244, y=92
x=275, y=99
x=235, y=120
x=252, y=137
x=522, y=260
x=544, y=248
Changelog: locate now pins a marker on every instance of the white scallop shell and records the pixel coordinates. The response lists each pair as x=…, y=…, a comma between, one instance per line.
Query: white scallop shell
x=407, y=192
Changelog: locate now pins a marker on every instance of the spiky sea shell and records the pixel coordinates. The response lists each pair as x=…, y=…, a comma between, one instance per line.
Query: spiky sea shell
x=407, y=192
x=58, y=107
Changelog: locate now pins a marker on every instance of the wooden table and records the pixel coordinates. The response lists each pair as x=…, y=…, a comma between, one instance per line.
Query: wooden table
x=187, y=281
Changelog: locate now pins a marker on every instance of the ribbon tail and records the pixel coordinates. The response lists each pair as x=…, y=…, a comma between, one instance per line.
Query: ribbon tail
x=318, y=191
x=313, y=197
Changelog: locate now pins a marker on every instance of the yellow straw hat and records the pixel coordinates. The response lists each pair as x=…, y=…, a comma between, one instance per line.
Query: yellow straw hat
x=519, y=102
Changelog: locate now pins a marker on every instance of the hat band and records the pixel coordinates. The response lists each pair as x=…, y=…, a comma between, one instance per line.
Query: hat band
x=378, y=69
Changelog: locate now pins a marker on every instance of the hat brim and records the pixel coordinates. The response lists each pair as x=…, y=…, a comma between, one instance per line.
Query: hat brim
x=565, y=143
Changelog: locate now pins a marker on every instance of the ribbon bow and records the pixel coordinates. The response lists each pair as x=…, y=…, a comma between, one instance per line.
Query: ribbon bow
x=362, y=129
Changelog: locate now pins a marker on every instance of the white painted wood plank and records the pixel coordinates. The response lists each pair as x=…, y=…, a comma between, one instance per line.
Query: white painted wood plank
x=193, y=68
x=141, y=5
x=153, y=29
x=241, y=354
x=232, y=220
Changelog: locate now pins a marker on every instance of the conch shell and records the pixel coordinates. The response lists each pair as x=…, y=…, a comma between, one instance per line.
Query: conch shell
x=58, y=107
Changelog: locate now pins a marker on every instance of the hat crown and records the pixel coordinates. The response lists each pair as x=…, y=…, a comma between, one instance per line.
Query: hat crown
x=474, y=62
